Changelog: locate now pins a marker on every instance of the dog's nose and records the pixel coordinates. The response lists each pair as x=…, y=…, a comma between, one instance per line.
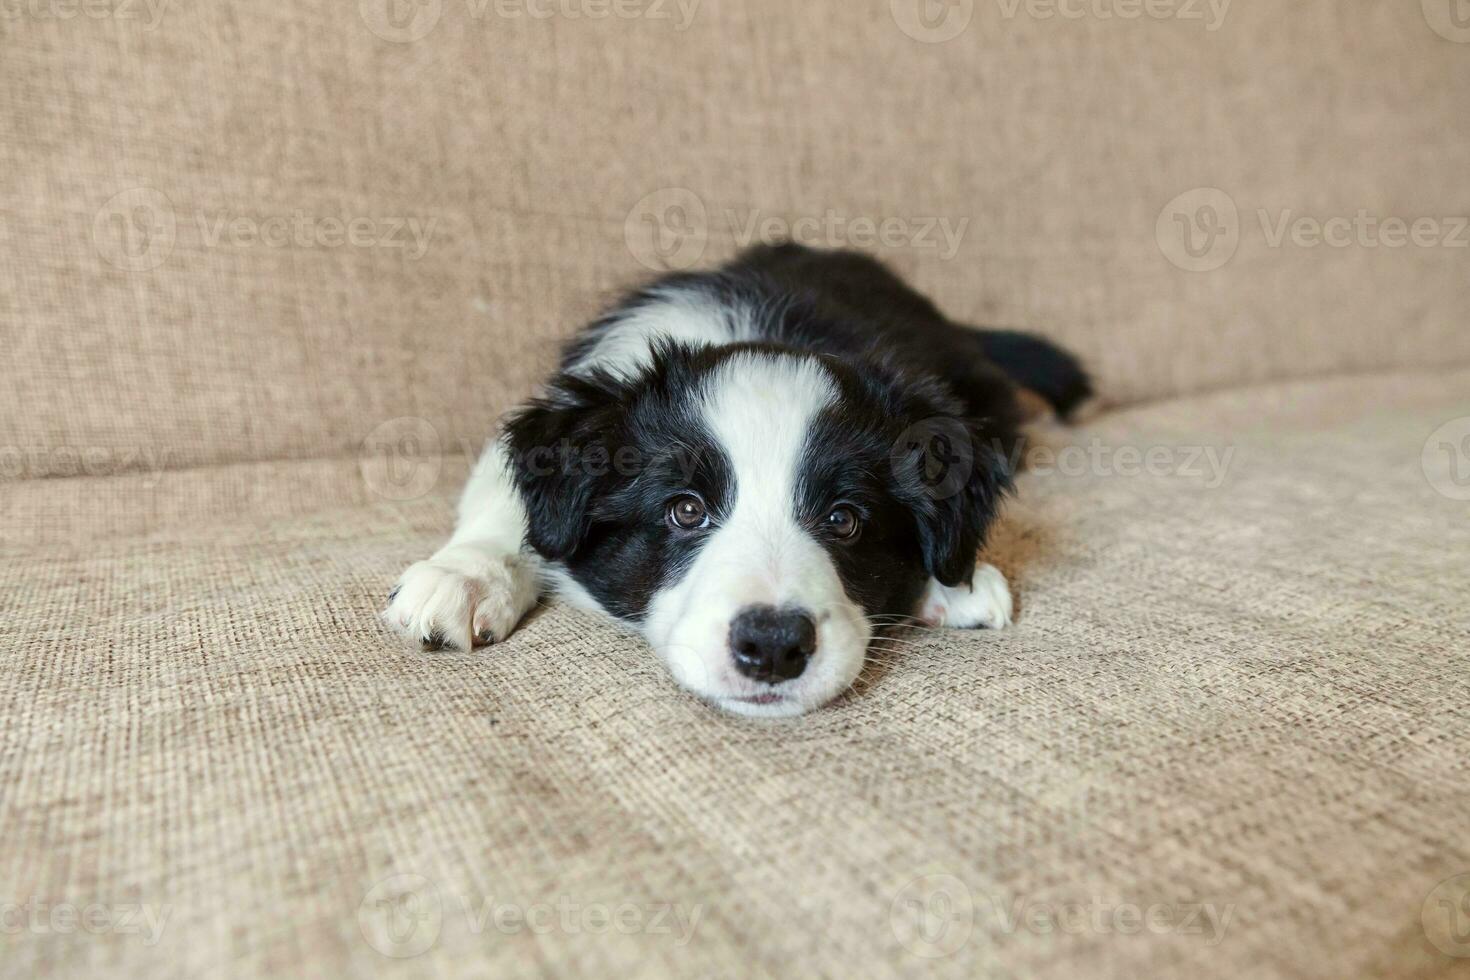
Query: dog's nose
x=771, y=644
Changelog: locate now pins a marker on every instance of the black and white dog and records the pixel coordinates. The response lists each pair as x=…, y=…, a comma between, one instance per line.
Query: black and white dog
x=757, y=467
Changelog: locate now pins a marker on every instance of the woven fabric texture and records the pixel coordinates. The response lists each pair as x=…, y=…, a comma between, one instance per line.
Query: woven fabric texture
x=269, y=273
x=257, y=231
x=1236, y=695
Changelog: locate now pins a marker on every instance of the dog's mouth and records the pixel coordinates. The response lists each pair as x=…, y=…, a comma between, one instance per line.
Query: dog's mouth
x=762, y=704
x=769, y=698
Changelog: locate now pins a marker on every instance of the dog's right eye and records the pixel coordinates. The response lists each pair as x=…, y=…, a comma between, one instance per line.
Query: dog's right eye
x=688, y=513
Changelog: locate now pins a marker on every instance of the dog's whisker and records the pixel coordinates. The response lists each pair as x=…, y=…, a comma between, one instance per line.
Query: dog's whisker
x=902, y=640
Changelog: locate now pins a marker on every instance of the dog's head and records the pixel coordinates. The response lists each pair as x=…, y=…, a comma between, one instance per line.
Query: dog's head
x=752, y=507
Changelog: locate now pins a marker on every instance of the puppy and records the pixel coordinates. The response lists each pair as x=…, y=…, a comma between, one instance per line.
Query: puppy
x=757, y=467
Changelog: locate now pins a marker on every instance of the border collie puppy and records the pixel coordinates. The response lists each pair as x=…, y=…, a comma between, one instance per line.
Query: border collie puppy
x=757, y=467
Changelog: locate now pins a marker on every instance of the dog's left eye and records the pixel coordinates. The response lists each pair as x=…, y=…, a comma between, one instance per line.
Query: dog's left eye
x=687, y=512
x=843, y=522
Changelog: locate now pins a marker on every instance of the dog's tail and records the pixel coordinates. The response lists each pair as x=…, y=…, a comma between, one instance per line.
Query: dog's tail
x=1040, y=366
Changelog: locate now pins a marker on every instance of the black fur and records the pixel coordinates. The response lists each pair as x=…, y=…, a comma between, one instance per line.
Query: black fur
x=1033, y=363
x=597, y=461
x=920, y=443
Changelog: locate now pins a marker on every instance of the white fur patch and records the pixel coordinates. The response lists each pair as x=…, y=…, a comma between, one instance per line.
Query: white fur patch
x=985, y=602
x=760, y=408
x=476, y=588
x=690, y=316
x=560, y=583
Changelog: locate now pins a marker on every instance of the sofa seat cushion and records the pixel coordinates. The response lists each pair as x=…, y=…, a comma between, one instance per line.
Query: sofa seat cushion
x=1227, y=734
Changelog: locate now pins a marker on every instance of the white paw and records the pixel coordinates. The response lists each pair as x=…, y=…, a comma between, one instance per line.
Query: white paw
x=464, y=597
x=985, y=602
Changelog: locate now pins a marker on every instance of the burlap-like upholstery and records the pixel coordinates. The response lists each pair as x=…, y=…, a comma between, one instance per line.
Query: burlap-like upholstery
x=526, y=147
x=1227, y=735
x=1249, y=697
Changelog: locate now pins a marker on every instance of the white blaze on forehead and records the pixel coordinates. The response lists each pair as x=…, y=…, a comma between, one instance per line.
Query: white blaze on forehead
x=761, y=409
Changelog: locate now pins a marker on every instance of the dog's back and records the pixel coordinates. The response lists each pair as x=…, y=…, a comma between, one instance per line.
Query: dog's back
x=856, y=289
x=836, y=303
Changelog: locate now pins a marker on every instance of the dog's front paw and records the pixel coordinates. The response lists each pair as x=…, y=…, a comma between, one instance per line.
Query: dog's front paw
x=461, y=598
x=984, y=602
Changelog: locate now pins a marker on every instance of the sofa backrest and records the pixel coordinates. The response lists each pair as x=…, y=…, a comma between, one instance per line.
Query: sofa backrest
x=246, y=231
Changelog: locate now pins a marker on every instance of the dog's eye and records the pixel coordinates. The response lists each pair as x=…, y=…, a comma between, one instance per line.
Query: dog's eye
x=843, y=522
x=688, y=513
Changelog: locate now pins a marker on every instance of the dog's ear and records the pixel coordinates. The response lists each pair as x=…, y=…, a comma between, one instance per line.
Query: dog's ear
x=953, y=479
x=560, y=445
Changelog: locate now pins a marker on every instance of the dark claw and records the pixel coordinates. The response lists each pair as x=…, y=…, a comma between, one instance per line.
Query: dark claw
x=434, y=641
x=487, y=637
x=394, y=594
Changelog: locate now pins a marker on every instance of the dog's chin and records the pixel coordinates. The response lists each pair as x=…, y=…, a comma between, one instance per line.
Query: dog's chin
x=772, y=704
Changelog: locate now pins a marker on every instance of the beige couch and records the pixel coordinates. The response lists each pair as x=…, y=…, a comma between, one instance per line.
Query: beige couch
x=271, y=271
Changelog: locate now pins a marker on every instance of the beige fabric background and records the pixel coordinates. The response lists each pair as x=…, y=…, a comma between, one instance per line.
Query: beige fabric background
x=1248, y=694
x=529, y=142
x=1252, y=696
